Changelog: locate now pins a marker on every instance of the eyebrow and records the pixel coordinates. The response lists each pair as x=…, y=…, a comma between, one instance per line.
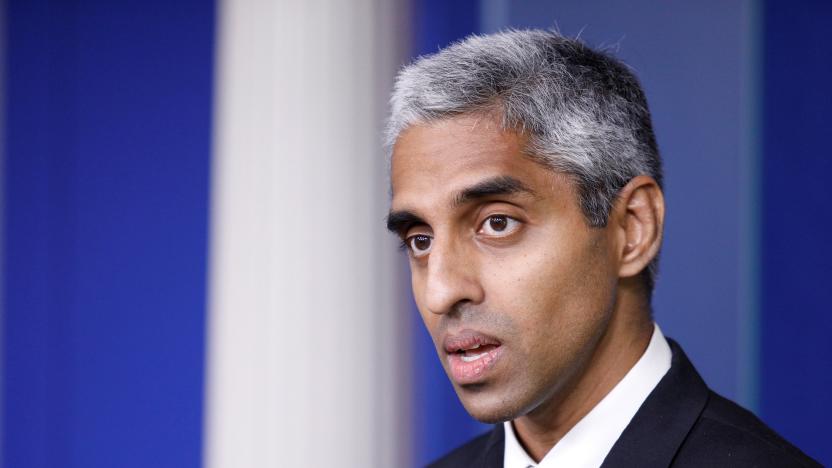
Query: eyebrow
x=400, y=221
x=500, y=185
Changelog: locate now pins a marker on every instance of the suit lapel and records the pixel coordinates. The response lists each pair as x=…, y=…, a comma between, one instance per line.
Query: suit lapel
x=492, y=455
x=661, y=425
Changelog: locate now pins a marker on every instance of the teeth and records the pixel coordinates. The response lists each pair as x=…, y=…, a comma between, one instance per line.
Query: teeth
x=463, y=350
x=472, y=358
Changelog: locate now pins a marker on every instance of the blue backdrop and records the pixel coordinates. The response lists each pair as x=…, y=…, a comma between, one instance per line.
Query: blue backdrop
x=106, y=148
x=796, y=349
x=108, y=121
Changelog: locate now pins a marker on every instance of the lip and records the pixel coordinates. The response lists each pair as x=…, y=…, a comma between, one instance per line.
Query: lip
x=462, y=372
x=467, y=339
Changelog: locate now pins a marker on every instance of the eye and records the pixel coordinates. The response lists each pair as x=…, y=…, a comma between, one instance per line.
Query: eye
x=419, y=244
x=499, y=226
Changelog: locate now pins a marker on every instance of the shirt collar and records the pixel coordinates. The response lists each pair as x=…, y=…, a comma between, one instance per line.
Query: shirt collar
x=589, y=441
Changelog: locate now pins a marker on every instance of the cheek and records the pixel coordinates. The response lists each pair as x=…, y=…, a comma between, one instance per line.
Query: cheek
x=556, y=292
x=429, y=319
x=417, y=288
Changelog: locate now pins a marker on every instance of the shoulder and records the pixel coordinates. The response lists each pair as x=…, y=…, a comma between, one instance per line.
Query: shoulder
x=684, y=424
x=474, y=452
x=726, y=434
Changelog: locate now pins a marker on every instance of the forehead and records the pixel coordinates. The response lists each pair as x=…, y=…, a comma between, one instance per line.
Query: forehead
x=435, y=160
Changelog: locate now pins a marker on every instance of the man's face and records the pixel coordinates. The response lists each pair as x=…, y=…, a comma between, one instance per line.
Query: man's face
x=514, y=287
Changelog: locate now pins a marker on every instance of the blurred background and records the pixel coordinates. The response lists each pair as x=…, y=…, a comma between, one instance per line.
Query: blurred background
x=195, y=270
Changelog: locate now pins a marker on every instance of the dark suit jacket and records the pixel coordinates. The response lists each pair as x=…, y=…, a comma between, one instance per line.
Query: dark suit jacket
x=681, y=424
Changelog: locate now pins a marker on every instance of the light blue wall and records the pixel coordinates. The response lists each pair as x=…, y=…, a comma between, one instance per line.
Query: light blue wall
x=689, y=57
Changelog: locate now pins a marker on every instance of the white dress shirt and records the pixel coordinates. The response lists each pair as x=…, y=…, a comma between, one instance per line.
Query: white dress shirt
x=591, y=439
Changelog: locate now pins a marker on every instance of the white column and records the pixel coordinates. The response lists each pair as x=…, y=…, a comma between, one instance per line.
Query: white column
x=306, y=315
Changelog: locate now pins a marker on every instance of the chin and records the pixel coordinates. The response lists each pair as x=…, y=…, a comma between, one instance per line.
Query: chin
x=486, y=405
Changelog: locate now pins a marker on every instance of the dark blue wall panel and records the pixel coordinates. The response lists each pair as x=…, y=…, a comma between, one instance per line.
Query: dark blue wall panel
x=440, y=423
x=106, y=216
x=796, y=375
x=437, y=23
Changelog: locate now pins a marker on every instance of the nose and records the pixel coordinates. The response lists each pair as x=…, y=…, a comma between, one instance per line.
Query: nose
x=452, y=279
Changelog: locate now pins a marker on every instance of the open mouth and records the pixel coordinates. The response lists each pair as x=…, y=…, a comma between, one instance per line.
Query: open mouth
x=471, y=355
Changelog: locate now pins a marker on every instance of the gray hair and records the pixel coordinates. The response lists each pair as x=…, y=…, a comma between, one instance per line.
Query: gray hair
x=583, y=110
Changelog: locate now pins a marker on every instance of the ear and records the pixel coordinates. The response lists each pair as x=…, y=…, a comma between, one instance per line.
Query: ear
x=638, y=215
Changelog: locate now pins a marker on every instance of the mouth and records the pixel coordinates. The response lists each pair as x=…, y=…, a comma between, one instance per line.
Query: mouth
x=471, y=356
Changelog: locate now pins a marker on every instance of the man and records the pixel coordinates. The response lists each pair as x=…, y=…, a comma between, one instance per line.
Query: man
x=526, y=187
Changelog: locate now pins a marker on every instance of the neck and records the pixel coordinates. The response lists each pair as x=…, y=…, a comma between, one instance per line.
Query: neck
x=619, y=348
